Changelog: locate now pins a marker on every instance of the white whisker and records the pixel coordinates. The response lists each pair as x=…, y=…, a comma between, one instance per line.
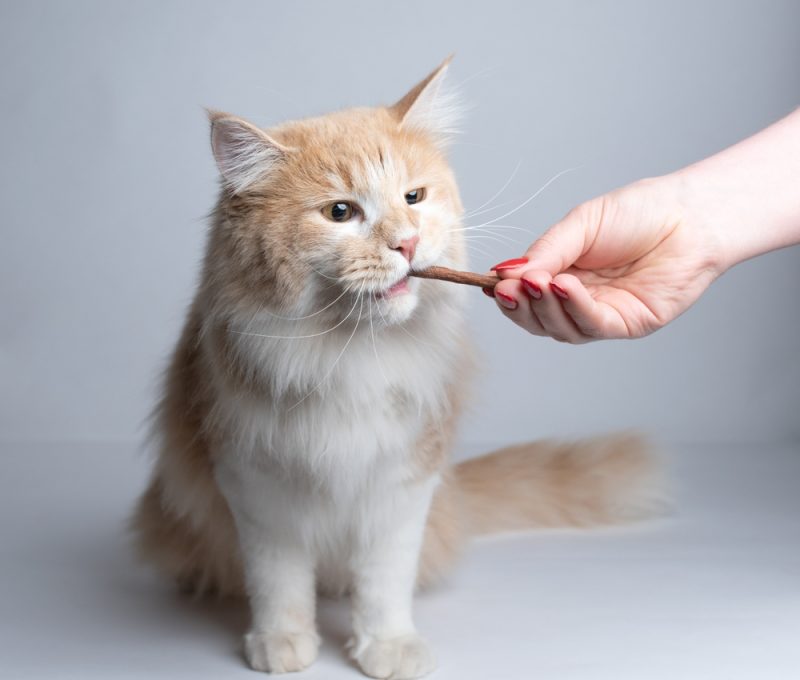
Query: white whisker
x=472, y=213
x=308, y=316
x=405, y=330
x=336, y=361
x=480, y=251
x=255, y=314
x=488, y=210
x=375, y=344
x=324, y=276
x=481, y=227
x=530, y=198
x=498, y=238
x=302, y=337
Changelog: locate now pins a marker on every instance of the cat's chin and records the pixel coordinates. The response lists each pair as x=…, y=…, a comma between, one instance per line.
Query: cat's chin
x=397, y=303
x=399, y=288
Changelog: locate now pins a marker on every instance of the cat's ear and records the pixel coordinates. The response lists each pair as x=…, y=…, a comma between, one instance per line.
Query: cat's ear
x=244, y=154
x=430, y=106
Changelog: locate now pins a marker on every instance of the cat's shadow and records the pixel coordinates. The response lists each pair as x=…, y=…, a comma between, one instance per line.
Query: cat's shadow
x=139, y=608
x=226, y=620
x=232, y=618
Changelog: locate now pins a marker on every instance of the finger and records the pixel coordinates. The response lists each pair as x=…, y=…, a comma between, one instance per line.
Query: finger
x=509, y=269
x=515, y=304
x=561, y=245
x=593, y=319
x=548, y=310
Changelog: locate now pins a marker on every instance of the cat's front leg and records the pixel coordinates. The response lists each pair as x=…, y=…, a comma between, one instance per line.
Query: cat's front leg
x=280, y=584
x=385, y=642
x=279, y=572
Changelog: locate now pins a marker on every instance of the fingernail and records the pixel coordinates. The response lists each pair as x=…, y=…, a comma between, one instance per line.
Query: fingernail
x=558, y=290
x=532, y=289
x=506, y=300
x=510, y=264
x=489, y=292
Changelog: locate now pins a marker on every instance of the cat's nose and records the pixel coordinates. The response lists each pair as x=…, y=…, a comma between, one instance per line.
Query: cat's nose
x=407, y=247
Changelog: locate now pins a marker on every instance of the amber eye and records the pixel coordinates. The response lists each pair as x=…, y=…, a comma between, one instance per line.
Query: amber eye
x=339, y=211
x=415, y=196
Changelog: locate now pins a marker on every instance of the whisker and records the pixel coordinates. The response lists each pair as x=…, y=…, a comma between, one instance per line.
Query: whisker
x=336, y=361
x=302, y=337
x=498, y=238
x=324, y=276
x=255, y=314
x=497, y=206
x=487, y=232
x=481, y=227
x=481, y=251
x=405, y=330
x=308, y=316
x=374, y=344
x=472, y=213
x=530, y=198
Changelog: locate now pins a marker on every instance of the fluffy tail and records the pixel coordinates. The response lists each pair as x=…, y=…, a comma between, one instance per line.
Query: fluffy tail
x=604, y=480
x=597, y=481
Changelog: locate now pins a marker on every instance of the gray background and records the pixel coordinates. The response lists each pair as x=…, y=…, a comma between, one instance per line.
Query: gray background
x=107, y=177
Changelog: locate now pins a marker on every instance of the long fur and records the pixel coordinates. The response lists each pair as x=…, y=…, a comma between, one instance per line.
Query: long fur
x=311, y=402
x=591, y=482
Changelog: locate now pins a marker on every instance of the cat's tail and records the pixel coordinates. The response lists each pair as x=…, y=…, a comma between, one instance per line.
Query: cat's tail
x=598, y=481
x=592, y=482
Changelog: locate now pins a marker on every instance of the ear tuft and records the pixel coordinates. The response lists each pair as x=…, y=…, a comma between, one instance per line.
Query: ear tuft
x=431, y=106
x=244, y=154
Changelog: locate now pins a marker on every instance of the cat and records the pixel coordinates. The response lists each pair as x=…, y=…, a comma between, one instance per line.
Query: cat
x=311, y=402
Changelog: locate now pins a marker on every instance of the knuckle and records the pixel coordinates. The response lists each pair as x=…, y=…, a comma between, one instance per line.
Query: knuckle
x=533, y=328
x=544, y=242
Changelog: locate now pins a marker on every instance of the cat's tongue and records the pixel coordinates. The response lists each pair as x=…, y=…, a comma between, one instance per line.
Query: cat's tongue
x=397, y=289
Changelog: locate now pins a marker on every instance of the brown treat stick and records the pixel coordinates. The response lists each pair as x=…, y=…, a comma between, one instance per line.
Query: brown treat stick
x=445, y=274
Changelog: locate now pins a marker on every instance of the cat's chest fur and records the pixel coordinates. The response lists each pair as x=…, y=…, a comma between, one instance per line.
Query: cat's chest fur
x=344, y=406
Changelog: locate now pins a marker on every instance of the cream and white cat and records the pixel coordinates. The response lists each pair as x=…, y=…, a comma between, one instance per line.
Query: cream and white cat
x=310, y=405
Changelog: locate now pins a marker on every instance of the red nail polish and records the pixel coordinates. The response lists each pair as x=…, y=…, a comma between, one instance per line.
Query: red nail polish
x=506, y=300
x=489, y=292
x=558, y=290
x=510, y=264
x=532, y=289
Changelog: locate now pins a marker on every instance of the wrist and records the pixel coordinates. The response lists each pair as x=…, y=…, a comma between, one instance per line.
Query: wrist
x=706, y=209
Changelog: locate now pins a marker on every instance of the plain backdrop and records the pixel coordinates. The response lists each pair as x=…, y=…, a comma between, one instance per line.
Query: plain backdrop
x=107, y=177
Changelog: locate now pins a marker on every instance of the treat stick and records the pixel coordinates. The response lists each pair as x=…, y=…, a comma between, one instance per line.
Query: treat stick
x=445, y=274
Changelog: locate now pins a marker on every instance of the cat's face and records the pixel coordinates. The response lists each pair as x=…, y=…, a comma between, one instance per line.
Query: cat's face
x=337, y=210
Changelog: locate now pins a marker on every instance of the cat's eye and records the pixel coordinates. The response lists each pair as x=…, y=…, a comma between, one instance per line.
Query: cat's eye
x=415, y=196
x=341, y=211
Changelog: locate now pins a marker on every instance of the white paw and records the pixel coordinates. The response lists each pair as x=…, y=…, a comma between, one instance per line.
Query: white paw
x=398, y=658
x=280, y=652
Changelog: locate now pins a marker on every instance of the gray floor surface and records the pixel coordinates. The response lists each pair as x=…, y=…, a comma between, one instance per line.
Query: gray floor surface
x=710, y=591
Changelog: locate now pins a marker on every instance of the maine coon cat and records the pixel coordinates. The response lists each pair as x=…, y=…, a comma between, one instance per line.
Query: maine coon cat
x=310, y=405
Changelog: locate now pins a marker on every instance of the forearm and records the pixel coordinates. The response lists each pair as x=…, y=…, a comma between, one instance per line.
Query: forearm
x=749, y=194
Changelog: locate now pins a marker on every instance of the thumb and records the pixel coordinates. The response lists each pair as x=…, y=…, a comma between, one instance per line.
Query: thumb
x=564, y=243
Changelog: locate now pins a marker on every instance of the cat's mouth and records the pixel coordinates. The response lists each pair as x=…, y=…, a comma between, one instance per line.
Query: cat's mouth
x=399, y=288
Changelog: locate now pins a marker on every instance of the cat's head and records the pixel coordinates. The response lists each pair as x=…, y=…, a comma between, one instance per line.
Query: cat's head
x=337, y=209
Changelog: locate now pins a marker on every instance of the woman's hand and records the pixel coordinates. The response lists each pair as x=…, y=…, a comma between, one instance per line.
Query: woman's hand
x=625, y=264
x=619, y=266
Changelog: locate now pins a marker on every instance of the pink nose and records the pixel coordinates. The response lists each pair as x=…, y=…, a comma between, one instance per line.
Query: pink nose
x=407, y=247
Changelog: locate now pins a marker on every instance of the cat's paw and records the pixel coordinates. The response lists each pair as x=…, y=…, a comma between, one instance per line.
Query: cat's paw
x=400, y=658
x=280, y=652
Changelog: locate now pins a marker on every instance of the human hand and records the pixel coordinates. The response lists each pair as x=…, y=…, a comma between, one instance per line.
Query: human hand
x=618, y=266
